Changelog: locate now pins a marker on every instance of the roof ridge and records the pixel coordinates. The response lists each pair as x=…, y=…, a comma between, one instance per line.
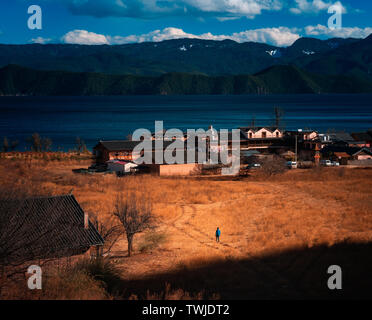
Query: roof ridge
x=47, y=197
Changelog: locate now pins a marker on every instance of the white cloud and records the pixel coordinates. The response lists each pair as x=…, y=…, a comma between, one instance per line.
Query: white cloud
x=351, y=32
x=314, y=6
x=281, y=36
x=40, y=40
x=153, y=36
x=222, y=19
x=235, y=7
x=156, y=8
x=84, y=37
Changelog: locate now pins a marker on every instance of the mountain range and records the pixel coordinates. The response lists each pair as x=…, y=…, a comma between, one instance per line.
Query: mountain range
x=188, y=66
x=279, y=79
x=208, y=57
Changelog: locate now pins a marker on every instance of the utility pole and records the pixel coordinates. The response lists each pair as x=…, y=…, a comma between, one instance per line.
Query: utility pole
x=296, y=149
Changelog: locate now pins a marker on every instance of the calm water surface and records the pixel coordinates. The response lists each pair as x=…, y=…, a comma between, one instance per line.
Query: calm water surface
x=92, y=118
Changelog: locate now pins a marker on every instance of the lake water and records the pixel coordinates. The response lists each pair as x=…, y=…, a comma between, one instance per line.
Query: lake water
x=93, y=118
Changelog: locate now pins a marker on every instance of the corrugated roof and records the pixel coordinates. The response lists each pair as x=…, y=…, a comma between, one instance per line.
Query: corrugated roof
x=47, y=227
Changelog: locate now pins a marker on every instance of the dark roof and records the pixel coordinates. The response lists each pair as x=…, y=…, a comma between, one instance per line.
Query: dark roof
x=47, y=227
x=118, y=145
x=242, y=136
x=365, y=150
x=304, y=131
x=341, y=136
x=362, y=136
x=349, y=150
x=125, y=145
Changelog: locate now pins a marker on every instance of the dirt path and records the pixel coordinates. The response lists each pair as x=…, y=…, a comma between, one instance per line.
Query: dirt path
x=264, y=271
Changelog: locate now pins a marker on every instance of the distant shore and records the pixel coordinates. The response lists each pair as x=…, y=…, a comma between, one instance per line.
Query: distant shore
x=279, y=79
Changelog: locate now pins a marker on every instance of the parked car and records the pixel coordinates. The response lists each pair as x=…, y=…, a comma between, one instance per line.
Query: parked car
x=326, y=163
x=254, y=166
x=291, y=164
x=335, y=163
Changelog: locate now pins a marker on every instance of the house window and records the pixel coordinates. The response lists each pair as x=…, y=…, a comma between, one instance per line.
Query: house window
x=250, y=135
x=263, y=134
x=277, y=134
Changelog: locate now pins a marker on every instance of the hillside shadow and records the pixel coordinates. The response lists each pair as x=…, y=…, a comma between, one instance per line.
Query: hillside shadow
x=291, y=274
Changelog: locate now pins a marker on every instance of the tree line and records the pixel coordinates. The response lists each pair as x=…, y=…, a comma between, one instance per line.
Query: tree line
x=40, y=144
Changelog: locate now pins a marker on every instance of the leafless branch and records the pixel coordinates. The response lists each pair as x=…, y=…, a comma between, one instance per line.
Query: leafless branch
x=135, y=214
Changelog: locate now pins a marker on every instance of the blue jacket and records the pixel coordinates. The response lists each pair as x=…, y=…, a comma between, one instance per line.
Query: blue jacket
x=218, y=232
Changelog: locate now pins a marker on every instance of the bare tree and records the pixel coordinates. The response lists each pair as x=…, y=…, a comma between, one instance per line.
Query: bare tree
x=80, y=145
x=31, y=230
x=5, y=144
x=273, y=165
x=110, y=231
x=46, y=144
x=18, y=241
x=14, y=144
x=39, y=144
x=36, y=144
x=135, y=214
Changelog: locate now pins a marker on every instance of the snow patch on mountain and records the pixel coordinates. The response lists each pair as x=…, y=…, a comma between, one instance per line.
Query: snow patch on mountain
x=274, y=53
x=308, y=52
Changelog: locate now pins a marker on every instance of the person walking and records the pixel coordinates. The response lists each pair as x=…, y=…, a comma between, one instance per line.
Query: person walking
x=218, y=233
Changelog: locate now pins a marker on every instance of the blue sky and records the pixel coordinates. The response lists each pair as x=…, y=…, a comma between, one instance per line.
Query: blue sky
x=277, y=22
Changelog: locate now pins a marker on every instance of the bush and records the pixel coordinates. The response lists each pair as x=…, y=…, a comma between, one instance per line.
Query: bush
x=102, y=270
x=73, y=285
x=272, y=166
x=152, y=241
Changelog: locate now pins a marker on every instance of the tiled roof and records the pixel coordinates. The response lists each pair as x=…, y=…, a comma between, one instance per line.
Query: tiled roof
x=126, y=145
x=48, y=227
x=362, y=136
x=119, y=145
x=365, y=150
x=341, y=136
x=349, y=150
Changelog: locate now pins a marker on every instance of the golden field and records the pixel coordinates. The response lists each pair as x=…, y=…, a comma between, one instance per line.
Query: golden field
x=279, y=234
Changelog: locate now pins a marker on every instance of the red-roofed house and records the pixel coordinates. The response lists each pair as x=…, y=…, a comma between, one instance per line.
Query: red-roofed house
x=120, y=166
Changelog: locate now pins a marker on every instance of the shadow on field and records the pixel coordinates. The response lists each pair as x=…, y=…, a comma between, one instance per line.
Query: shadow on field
x=292, y=274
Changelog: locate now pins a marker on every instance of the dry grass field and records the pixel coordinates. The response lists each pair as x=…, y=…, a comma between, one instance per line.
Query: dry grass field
x=279, y=234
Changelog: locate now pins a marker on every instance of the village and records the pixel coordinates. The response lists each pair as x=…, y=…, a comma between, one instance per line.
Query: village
x=291, y=149
x=118, y=222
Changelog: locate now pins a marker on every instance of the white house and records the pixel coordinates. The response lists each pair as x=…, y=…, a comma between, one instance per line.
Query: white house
x=120, y=166
x=262, y=132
